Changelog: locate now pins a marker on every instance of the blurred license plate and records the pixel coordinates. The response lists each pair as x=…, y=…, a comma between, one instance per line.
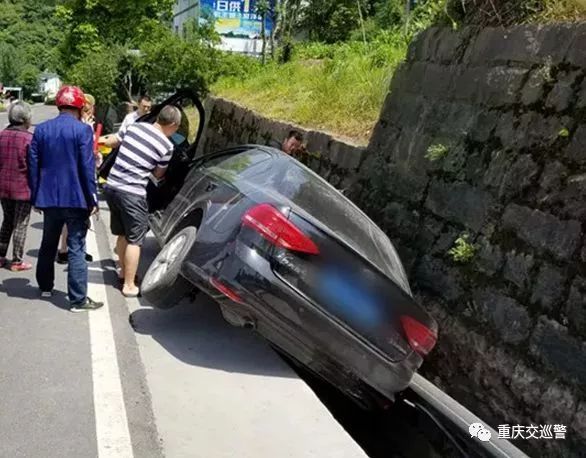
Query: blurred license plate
x=343, y=291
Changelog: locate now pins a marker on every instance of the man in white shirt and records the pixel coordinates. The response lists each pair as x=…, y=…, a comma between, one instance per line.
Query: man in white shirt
x=144, y=106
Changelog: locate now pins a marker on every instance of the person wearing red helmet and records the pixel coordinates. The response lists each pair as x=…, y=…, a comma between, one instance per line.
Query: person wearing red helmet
x=63, y=186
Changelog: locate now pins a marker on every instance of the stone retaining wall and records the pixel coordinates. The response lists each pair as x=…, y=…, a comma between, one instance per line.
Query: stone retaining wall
x=504, y=111
x=230, y=124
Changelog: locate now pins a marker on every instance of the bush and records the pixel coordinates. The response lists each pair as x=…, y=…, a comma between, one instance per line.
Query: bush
x=97, y=74
x=335, y=87
x=510, y=12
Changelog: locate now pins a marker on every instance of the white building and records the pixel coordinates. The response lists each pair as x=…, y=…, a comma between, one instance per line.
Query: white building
x=50, y=83
x=184, y=11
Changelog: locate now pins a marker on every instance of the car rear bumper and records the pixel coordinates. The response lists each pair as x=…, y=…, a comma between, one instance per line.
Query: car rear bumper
x=298, y=326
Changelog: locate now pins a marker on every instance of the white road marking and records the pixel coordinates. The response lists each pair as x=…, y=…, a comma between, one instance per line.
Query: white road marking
x=113, y=435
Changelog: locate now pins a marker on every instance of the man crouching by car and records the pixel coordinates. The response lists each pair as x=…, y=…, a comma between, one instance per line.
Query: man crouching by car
x=144, y=149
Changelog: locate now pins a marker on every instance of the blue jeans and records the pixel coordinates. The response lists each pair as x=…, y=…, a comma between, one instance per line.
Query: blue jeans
x=77, y=225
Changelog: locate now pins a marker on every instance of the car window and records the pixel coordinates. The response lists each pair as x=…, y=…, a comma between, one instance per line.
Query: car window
x=317, y=197
x=236, y=165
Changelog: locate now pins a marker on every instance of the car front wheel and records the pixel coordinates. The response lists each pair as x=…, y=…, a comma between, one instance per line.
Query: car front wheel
x=163, y=286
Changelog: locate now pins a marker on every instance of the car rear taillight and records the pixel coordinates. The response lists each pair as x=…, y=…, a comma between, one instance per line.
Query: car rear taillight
x=273, y=226
x=420, y=337
x=225, y=290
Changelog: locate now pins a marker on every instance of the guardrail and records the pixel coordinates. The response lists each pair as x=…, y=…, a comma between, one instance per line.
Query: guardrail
x=461, y=418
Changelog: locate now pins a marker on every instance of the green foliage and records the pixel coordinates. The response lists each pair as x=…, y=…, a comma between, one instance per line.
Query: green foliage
x=510, y=12
x=436, y=151
x=29, y=80
x=339, y=88
x=330, y=21
x=97, y=73
x=463, y=251
x=564, y=133
x=31, y=28
x=10, y=64
x=171, y=62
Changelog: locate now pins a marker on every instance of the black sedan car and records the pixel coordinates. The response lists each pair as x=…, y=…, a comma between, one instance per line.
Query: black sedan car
x=286, y=254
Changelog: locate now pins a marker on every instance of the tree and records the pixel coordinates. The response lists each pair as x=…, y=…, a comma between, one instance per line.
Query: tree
x=169, y=63
x=97, y=74
x=263, y=8
x=29, y=80
x=10, y=64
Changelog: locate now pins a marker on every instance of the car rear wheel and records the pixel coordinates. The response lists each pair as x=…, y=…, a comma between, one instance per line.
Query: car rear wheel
x=163, y=286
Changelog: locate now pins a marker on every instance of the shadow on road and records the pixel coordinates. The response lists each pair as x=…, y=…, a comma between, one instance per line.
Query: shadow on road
x=23, y=289
x=38, y=225
x=33, y=253
x=196, y=334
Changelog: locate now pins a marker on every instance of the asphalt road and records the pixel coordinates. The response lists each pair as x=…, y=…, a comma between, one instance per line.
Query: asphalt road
x=129, y=381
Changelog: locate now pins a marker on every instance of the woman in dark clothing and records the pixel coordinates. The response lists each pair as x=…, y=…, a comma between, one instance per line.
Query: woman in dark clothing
x=15, y=193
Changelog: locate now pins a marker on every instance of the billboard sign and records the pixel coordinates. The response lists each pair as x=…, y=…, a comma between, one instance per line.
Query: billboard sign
x=236, y=18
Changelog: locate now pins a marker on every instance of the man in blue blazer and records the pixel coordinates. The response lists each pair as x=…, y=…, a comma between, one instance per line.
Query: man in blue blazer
x=63, y=186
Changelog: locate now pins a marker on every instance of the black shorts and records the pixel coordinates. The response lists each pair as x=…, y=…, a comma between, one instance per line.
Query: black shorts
x=128, y=215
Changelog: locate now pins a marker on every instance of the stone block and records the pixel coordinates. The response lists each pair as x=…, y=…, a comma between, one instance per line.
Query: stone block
x=519, y=43
x=404, y=183
x=318, y=142
x=451, y=44
x=576, y=307
x=535, y=130
x=424, y=44
x=543, y=231
x=527, y=385
x=475, y=167
x=509, y=175
x=518, y=268
x=484, y=125
x=437, y=81
x=445, y=241
x=459, y=202
x=455, y=159
x=549, y=287
x=554, y=43
x=534, y=87
x=401, y=221
x=433, y=275
x=577, y=51
x=404, y=109
x=489, y=258
x=558, y=351
x=505, y=315
x=573, y=197
x=579, y=421
x=576, y=151
x=581, y=102
x=558, y=403
x=429, y=230
x=501, y=86
x=345, y=156
x=467, y=82
x=553, y=176
x=562, y=93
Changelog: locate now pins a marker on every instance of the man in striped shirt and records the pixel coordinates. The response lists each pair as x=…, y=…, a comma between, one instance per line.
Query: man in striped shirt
x=145, y=149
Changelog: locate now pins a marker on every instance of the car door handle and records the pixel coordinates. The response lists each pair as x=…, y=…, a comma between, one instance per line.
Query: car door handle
x=210, y=187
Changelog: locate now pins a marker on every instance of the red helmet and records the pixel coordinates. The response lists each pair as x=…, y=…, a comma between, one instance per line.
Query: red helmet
x=70, y=96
